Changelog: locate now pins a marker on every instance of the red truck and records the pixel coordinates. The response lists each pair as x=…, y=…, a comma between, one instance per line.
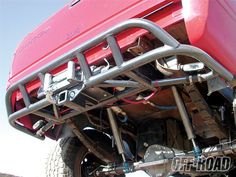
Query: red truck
x=130, y=85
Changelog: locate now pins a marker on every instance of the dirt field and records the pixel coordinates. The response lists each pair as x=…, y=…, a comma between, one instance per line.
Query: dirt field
x=7, y=175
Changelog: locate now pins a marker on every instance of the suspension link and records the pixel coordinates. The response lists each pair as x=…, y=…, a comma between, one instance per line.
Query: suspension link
x=88, y=143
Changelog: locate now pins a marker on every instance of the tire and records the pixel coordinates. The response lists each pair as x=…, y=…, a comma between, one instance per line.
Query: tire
x=71, y=159
x=61, y=159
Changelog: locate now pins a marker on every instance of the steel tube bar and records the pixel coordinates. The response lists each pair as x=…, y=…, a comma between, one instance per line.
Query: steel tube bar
x=25, y=111
x=148, y=25
x=84, y=65
x=142, y=81
x=142, y=60
x=46, y=116
x=183, y=114
x=111, y=100
x=116, y=133
x=24, y=95
x=171, y=47
x=119, y=83
x=115, y=49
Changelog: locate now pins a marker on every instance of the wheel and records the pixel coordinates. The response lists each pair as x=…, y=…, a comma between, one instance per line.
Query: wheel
x=71, y=159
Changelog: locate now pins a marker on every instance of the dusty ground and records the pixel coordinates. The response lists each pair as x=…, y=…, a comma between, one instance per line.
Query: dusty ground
x=7, y=175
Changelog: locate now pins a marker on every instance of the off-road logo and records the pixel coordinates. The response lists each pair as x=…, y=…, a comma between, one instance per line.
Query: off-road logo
x=204, y=164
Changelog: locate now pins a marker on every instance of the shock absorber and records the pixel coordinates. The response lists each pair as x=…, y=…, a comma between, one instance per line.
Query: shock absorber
x=116, y=133
x=186, y=121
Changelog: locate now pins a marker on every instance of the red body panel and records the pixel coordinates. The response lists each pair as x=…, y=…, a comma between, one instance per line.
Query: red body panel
x=211, y=26
x=72, y=26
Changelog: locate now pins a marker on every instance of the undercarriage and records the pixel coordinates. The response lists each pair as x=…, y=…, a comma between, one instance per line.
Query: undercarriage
x=141, y=108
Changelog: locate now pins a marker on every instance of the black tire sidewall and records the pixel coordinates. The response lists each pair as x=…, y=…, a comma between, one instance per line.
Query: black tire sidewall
x=80, y=155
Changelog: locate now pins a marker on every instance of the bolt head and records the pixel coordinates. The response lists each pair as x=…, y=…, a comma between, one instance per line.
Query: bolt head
x=72, y=94
x=145, y=144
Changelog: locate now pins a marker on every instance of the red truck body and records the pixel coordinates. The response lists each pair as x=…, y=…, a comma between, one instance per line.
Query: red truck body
x=74, y=25
x=118, y=81
x=68, y=28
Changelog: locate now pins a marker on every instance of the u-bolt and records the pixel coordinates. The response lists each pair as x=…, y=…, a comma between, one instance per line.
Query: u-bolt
x=185, y=118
